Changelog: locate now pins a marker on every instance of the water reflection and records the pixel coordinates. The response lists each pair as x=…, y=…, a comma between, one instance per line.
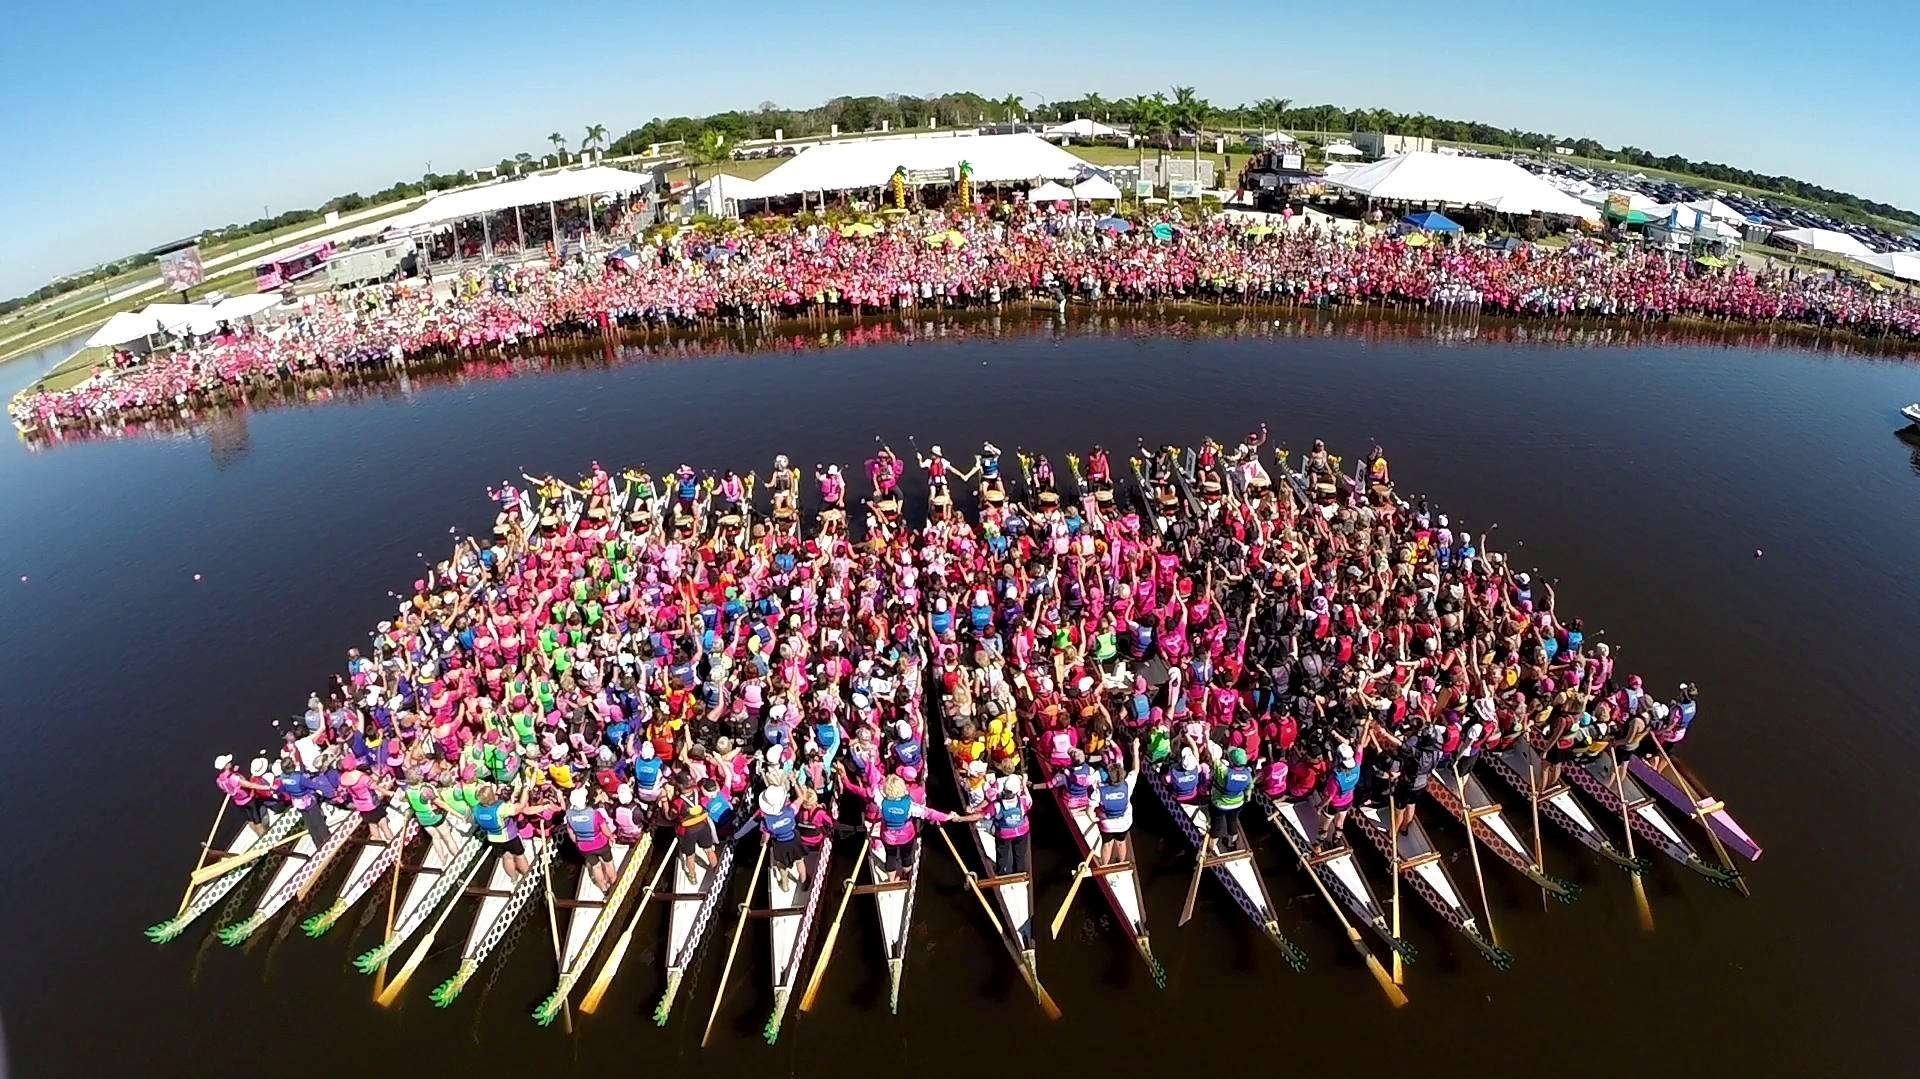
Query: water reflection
x=1196, y=322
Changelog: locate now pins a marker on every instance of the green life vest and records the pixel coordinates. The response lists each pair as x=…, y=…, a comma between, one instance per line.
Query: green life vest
x=423, y=808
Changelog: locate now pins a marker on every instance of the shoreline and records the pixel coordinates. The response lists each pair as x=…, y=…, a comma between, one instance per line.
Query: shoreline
x=578, y=344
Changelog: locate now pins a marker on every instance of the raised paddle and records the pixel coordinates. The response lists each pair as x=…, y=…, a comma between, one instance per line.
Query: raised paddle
x=1393, y=848
x=1193, y=883
x=387, y=996
x=1626, y=818
x=1686, y=788
x=973, y=884
x=206, y=846
x=1395, y=995
x=1473, y=848
x=833, y=931
x=739, y=929
x=1060, y=916
x=591, y=1002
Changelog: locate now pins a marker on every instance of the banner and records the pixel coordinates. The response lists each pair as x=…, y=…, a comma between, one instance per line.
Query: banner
x=930, y=176
x=181, y=270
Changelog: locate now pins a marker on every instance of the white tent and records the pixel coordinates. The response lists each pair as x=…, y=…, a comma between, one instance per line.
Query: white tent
x=1460, y=181
x=198, y=319
x=1719, y=211
x=124, y=327
x=546, y=187
x=723, y=186
x=1095, y=187
x=1050, y=192
x=1278, y=138
x=1082, y=129
x=1904, y=265
x=1343, y=149
x=843, y=166
x=172, y=317
x=1838, y=243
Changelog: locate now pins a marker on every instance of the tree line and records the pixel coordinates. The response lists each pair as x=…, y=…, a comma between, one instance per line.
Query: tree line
x=1182, y=110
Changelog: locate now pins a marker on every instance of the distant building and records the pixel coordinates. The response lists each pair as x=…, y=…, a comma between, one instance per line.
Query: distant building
x=1376, y=144
x=1563, y=151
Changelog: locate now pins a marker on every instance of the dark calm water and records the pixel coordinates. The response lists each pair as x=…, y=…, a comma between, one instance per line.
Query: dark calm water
x=1644, y=474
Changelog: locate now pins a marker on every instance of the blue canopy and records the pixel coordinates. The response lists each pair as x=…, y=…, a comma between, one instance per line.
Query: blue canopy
x=1432, y=221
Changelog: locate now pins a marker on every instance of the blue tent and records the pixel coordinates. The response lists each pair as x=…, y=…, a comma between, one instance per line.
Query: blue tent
x=1431, y=221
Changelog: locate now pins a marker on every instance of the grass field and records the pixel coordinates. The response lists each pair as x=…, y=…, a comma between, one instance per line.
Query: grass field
x=233, y=283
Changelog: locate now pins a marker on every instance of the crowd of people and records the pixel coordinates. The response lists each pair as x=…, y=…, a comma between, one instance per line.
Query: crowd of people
x=938, y=261
x=720, y=655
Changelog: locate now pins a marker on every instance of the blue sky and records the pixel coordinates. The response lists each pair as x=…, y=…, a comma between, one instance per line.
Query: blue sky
x=129, y=124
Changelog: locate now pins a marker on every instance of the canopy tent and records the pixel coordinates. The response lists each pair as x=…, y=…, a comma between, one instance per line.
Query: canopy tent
x=172, y=317
x=1431, y=221
x=844, y=166
x=1461, y=181
x=1277, y=139
x=123, y=327
x=1342, y=149
x=1837, y=243
x=198, y=319
x=1050, y=192
x=1096, y=187
x=1718, y=211
x=546, y=187
x=723, y=186
x=1904, y=265
x=1082, y=129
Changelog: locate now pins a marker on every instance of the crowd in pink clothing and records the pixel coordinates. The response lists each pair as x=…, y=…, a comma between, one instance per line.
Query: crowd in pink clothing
x=936, y=261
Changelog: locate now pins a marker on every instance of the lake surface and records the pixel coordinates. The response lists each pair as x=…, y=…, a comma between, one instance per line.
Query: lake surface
x=1644, y=474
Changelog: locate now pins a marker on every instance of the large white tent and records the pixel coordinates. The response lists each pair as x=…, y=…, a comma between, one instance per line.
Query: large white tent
x=1051, y=191
x=123, y=327
x=1278, y=138
x=1460, y=181
x=545, y=187
x=1904, y=265
x=845, y=166
x=1342, y=149
x=1083, y=128
x=1838, y=243
x=199, y=318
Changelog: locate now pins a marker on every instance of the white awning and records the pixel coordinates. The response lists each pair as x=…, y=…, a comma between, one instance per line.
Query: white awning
x=1083, y=129
x=1904, y=265
x=1050, y=192
x=1096, y=187
x=537, y=190
x=1342, y=149
x=844, y=166
x=1460, y=181
x=124, y=327
x=1838, y=243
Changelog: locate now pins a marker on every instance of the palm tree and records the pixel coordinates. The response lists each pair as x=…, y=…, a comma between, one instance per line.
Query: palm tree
x=596, y=137
x=1009, y=105
x=1095, y=103
x=1275, y=109
x=705, y=148
x=1153, y=115
x=521, y=160
x=559, y=146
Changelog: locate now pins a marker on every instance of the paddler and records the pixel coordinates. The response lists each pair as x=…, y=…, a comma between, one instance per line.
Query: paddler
x=494, y=816
x=900, y=812
x=248, y=793
x=431, y=813
x=1010, y=812
x=1113, y=806
x=1232, y=779
x=592, y=832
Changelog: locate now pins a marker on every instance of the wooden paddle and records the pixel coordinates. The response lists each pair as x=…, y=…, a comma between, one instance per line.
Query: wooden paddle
x=833, y=931
x=393, y=899
x=216, y=870
x=739, y=929
x=1033, y=982
x=387, y=996
x=1395, y=996
x=553, y=926
x=206, y=846
x=1393, y=848
x=1626, y=818
x=1193, y=883
x=1473, y=848
x=1533, y=785
x=1686, y=788
x=591, y=1002
x=1080, y=874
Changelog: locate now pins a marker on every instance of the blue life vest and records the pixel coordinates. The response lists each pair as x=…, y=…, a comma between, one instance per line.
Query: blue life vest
x=718, y=807
x=942, y=623
x=488, y=820
x=1113, y=800
x=293, y=784
x=908, y=752
x=1345, y=779
x=827, y=736
x=646, y=772
x=1682, y=715
x=784, y=561
x=1008, y=817
x=982, y=617
x=781, y=825
x=1238, y=778
x=1575, y=639
x=1142, y=638
x=1184, y=782
x=1142, y=706
x=1079, y=779
x=896, y=812
x=581, y=822
x=990, y=467
x=688, y=490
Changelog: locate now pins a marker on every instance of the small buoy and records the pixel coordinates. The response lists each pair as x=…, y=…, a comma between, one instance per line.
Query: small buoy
x=196, y=576
x=1756, y=552
x=23, y=578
